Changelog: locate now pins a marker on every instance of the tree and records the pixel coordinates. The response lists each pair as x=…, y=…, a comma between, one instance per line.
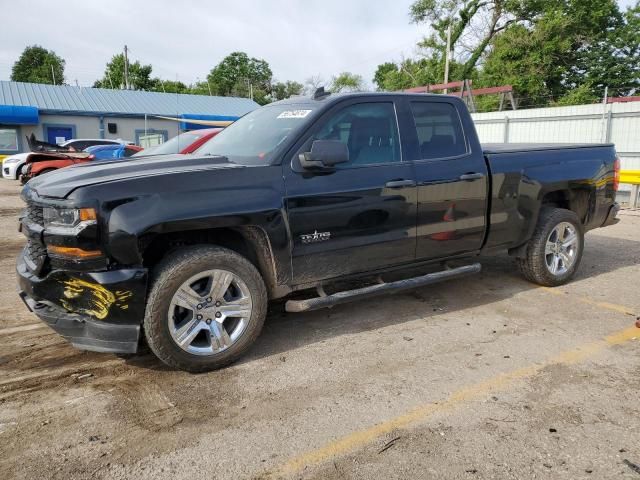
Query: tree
x=170, y=86
x=239, y=75
x=474, y=24
x=139, y=75
x=313, y=83
x=568, y=54
x=413, y=73
x=200, y=88
x=346, y=82
x=282, y=90
x=384, y=70
x=607, y=47
x=38, y=65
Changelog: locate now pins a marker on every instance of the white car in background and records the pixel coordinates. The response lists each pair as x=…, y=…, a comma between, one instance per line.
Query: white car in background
x=12, y=165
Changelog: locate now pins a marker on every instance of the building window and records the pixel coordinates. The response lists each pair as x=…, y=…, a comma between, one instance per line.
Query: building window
x=9, y=139
x=151, y=137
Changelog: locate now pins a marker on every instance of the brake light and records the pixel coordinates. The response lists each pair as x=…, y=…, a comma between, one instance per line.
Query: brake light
x=616, y=174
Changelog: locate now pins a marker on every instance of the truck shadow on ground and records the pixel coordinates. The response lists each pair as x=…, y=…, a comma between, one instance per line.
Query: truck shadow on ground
x=499, y=280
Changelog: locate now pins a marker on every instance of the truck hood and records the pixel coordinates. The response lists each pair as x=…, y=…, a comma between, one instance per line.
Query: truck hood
x=60, y=183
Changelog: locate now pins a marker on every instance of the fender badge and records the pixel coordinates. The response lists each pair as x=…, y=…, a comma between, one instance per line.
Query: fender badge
x=315, y=237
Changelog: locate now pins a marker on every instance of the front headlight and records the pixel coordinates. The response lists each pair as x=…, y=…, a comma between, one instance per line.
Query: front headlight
x=67, y=220
x=70, y=222
x=10, y=160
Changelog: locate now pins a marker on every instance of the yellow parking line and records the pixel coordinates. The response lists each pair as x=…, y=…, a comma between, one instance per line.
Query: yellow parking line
x=606, y=305
x=359, y=439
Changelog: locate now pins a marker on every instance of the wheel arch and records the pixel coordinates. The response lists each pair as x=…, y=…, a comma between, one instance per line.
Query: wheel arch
x=252, y=242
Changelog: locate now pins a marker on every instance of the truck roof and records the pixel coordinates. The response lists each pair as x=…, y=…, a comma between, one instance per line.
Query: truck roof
x=329, y=97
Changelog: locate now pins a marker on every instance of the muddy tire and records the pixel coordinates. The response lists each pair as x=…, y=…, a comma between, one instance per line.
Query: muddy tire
x=206, y=307
x=553, y=253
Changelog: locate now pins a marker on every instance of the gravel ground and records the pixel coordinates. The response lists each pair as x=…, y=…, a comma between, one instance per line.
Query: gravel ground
x=484, y=377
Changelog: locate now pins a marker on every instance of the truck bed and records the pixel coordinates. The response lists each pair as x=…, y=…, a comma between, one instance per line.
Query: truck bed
x=494, y=148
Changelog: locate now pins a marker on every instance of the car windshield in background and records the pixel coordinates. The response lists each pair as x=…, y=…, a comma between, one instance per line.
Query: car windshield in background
x=175, y=145
x=255, y=138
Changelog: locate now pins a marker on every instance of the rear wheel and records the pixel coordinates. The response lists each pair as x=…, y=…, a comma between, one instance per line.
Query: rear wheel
x=554, y=251
x=206, y=307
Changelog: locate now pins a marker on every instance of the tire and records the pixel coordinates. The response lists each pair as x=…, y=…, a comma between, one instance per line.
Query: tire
x=19, y=171
x=539, y=260
x=210, y=348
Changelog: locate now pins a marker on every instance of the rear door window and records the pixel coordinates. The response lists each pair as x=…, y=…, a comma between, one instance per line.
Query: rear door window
x=439, y=130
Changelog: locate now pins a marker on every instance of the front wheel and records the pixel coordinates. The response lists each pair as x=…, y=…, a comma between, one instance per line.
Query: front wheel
x=554, y=251
x=206, y=307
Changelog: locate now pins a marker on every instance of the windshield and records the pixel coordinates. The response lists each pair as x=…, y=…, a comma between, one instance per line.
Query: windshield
x=255, y=138
x=175, y=145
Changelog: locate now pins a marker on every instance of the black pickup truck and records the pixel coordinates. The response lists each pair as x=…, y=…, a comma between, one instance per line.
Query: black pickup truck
x=300, y=195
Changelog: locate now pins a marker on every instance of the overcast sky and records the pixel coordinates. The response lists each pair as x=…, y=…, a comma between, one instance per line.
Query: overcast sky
x=184, y=39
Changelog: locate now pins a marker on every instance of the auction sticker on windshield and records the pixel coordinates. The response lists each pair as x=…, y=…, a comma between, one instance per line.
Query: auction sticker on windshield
x=294, y=114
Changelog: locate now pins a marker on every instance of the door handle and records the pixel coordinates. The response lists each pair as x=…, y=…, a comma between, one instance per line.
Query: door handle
x=400, y=183
x=471, y=176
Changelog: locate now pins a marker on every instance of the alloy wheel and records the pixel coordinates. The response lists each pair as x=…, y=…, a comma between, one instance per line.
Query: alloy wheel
x=209, y=312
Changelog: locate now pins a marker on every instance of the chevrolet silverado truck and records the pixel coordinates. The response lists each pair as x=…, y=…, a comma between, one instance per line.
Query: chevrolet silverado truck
x=302, y=195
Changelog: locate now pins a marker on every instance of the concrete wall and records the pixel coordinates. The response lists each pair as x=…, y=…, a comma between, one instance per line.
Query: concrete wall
x=127, y=127
x=89, y=127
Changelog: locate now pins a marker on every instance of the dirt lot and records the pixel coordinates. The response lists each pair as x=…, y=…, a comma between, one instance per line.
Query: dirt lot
x=486, y=377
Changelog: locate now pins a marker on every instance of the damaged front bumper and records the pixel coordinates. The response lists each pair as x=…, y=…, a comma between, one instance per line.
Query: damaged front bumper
x=98, y=311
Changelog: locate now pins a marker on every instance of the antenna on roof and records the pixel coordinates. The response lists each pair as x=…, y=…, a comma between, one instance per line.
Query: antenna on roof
x=320, y=93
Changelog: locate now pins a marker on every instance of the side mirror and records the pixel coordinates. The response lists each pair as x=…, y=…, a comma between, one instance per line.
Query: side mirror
x=325, y=154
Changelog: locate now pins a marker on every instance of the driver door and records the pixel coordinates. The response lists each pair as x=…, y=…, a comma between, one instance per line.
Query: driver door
x=361, y=215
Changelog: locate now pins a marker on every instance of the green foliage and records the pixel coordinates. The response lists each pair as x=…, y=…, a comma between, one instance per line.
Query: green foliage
x=413, y=73
x=282, y=90
x=568, y=54
x=578, y=96
x=482, y=19
x=239, y=75
x=346, y=82
x=170, y=86
x=35, y=65
x=560, y=52
x=139, y=75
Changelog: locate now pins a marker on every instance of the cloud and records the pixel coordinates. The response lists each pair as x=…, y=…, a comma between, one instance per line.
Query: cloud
x=186, y=39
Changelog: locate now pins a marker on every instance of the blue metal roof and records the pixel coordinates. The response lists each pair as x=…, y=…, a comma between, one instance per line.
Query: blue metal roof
x=68, y=99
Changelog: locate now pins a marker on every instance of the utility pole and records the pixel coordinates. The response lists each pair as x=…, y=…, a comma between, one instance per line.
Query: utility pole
x=447, y=54
x=126, y=68
x=209, y=85
x=605, y=100
x=53, y=75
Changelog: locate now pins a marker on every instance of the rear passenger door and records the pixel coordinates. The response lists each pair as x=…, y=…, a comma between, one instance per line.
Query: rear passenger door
x=361, y=215
x=452, y=180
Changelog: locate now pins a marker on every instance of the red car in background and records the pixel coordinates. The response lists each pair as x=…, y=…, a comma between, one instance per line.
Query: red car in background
x=184, y=143
x=39, y=163
x=187, y=142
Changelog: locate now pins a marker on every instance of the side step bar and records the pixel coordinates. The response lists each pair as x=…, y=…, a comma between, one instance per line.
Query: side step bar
x=373, y=290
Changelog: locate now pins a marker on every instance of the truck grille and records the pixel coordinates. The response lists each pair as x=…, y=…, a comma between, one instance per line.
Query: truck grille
x=36, y=251
x=35, y=213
